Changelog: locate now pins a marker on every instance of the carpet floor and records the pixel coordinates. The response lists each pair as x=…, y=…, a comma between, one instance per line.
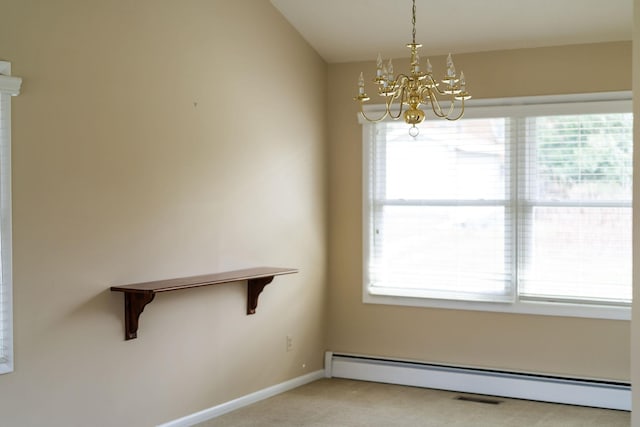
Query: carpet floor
x=347, y=403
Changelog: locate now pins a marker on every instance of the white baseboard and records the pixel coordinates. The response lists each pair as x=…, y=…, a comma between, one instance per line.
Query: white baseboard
x=240, y=402
x=594, y=393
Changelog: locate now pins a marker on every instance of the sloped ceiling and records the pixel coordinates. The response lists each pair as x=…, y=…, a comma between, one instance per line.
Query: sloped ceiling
x=356, y=30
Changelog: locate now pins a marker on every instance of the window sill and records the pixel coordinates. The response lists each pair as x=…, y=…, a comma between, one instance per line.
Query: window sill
x=521, y=307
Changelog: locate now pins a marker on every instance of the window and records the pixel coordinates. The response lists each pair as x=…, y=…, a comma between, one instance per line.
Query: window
x=9, y=86
x=520, y=208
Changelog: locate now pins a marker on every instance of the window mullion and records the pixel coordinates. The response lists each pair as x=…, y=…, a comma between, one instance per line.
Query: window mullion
x=526, y=161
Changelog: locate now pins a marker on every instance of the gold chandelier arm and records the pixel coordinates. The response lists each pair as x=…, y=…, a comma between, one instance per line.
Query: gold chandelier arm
x=437, y=110
x=433, y=101
x=448, y=91
x=400, y=95
x=440, y=91
x=459, y=115
x=367, y=118
x=432, y=81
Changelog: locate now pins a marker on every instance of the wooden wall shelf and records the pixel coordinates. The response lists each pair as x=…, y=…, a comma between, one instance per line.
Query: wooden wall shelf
x=138, y=295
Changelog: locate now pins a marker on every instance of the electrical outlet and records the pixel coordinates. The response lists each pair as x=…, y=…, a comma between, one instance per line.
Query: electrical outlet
x=289, y=343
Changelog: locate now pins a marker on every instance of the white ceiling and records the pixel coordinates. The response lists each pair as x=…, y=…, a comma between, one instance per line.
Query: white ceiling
x=356, y=30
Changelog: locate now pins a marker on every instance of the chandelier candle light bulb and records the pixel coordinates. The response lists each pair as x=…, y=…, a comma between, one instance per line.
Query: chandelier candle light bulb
x=361, y=87
x=379, y=69
x=404, y=94
x=451, y=70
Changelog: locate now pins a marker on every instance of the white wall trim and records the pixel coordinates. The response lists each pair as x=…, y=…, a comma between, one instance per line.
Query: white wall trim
x=541, y=308
x=243, y=401
x=328, y=356
x=545, y=388
x=5, y=68
x=8, y=84
x=532, y=105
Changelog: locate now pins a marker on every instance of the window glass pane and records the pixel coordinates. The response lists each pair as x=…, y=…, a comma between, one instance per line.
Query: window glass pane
x=446, y=250
x=439, y=210
x=577, y=252
x=582, y=157
x=448, y=160
x=575, y=220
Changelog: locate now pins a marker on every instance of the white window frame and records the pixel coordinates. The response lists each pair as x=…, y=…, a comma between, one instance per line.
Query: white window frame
x=9, y=86
x=505, y=107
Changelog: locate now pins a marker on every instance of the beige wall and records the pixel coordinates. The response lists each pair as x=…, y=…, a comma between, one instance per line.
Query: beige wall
x=555, y=345
x=158, y=139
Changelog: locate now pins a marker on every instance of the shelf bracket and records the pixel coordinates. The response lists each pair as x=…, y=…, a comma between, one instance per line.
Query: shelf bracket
x=254, y=288
x=134, y=304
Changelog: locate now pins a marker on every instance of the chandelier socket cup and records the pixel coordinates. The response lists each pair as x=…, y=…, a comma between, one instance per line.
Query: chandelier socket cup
x=463, y=96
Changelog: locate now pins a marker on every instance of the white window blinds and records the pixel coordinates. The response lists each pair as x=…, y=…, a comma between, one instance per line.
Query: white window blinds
x=439, y=217
x=507, y=205
x=575, y=210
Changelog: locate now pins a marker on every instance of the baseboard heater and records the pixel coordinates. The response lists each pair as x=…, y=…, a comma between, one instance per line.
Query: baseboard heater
x=544, y=388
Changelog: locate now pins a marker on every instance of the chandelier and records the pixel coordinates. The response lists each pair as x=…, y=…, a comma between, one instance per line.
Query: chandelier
x=403, y=94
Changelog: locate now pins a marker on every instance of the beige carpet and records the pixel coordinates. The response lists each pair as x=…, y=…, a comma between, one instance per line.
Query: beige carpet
x=337, y=402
